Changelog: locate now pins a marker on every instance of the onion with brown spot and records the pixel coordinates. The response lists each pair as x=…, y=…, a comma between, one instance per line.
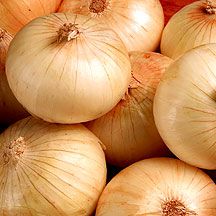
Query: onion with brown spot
x=128, y=131
x=139, y=23
x=192, y=26
x=159, y=187
x=50, y=169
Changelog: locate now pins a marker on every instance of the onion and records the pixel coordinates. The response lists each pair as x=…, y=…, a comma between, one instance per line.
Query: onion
x=159, y=186
x=192, y=26
x=185, y=107
x=17, y=13
x=170, y=7
x=10, y=109
x=67, y=68
x=50, y=169
x=128, y=131
x=139, y=23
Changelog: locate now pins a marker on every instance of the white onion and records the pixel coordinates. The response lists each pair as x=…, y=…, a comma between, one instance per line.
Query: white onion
x=159, y=187
x=128, y=131
x=67, y=68
x=139, y=23
x=185, y=107
x=50, y=170
x=192, y=26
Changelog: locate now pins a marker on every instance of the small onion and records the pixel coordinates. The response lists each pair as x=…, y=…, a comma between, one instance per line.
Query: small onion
x=139, y=23
x=185, y=107
x=128, y=131
x=159, y=187
x=192, y=26
x=17, y=13
x=10, y=109
x=50, y=170
x=171, y=7
x=67, y=68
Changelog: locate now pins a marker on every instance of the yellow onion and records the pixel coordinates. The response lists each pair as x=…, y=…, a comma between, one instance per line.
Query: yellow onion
x=128, y=131
x=50, y=170
x=17, y=13
x=159, y=187
x=192, y=26
x=67, y=68
x=10, y=109
x=139, y=23
x=185, y=107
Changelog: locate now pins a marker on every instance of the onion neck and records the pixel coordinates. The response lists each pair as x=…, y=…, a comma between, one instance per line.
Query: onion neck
x=67, y=32
x=14, y=151
x=2, y=34
x=174, y=207
x=98, y=6
x=210, y=8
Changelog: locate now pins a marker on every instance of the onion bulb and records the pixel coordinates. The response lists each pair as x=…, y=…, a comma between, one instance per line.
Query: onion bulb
x=171, y=7
x=185, y=107
x=159, y=187
x=139, y=23
x=67, y=68
x=17, y=13
x=192, y=26
x=128, y=131
x=10, y=109
x=49, y=169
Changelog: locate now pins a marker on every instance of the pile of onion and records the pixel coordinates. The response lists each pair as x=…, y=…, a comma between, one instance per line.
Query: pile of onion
x=185, y=107
x=10, y=109
x=159, y=186
x=128, y=131
x=50, y=169
x=78, y=70
x=139, y=23
x=192, y=26
x=17, y=13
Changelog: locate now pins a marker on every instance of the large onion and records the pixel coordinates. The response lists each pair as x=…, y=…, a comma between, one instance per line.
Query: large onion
x=128, y=131
x=68, y=68
x=17, y=13
x=185, y=107
x=192, y=26
x=159, y=187
x=139, y=23
x=50, y=170
x=10, y=109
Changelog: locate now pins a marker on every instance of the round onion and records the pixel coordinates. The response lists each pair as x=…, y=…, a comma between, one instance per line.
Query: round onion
x=10, y=109
x=50, y=169
x=192, y=26
x=17, y=13
x=170, y=7
x=139, y=23
x=185, y=107
x=67, y=68
x=128, y=131
x=159, y=186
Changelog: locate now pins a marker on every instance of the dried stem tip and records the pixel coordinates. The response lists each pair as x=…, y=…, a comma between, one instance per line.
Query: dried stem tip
x=210, y=9
x=176, y=208
x=2, y=34
x=14, y=150
x=98, y=6
x=67, y=32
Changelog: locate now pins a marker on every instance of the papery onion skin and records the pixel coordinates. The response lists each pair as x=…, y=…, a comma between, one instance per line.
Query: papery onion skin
x=171, y=7
x=192, y=26
x=185, y=107
x=128, y=131
x=17, y=13
x=10, y=109
x=149, y=186
x=139, y=23
x=57, y=169
x=68, y=81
